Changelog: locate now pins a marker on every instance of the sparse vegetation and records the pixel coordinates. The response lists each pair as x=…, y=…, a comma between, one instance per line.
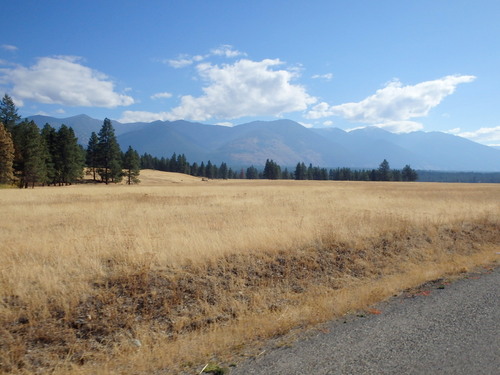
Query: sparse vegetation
x=175, y=273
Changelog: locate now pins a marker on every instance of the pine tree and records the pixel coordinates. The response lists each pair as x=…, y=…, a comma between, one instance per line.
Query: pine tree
x=49, y=136
x=108, y=154
x=8, y=113
x=69, y=156
x=131, y=163
x=91, y=155
x=300, y=171
x=252, y=173
x=408, y=174
x=6, y=156
x=30, y=155
x=384, y=171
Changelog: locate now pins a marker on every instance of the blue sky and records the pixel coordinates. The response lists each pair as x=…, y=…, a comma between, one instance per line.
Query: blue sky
x=403, y=65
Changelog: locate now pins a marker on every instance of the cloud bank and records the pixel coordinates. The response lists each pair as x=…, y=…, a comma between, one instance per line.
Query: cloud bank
x=393, y=106
x=245, y=88
x=62, y=80
x=488, y=136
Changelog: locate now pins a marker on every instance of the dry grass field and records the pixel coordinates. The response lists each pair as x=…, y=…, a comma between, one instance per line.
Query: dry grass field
x=170, y=274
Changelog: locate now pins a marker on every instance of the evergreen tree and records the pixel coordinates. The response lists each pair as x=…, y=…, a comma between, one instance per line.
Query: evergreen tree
x=272, y=170
x=223, y=171
x=300, y=171
x=384, y=171
x=202, y=171
x=6, y=156
x=92, y=155
x=30, y=155
x=252, y=173
x=131, y=163
x=8, y=113
x=409, y=174
x=69, y=158
x=49, y=136
x=209, y=173
x=108, y=154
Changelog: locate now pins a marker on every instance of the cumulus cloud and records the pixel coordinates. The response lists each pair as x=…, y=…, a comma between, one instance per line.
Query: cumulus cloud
x=9, y=47
x=326, y=77
x=394, y=104
x=62, y=80
x=489, y=136
x=245, y=88
x=227, y=51
x=161, y=95
x=183, y=60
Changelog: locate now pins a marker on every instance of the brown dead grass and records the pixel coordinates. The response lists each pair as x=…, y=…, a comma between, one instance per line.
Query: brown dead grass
x=197, y=270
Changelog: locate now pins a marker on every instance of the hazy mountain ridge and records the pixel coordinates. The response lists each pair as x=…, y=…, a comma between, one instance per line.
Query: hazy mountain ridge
x=287, y=142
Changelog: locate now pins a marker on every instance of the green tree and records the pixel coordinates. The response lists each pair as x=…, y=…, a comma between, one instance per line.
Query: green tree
x=131, y=163
x=70, y=160
x=108, y=154
x=31, y=151
x=8, y=113
x=92, y=155
x=223, y=171
x=272, y=170
x=409, y=174
x=252, y=173
x=49, y=136
x=300, y=171
x=6, y=156
x=384, y=171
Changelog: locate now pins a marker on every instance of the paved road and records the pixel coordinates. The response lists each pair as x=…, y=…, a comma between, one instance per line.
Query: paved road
x=455, y=330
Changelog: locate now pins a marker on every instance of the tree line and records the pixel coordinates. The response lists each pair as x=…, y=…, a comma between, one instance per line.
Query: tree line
x=30, y=156
x=273, y=171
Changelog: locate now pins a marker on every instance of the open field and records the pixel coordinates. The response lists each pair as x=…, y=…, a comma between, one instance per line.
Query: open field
x=175, y=272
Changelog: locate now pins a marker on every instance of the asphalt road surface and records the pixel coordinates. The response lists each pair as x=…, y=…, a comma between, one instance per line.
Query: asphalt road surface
x=440, y=329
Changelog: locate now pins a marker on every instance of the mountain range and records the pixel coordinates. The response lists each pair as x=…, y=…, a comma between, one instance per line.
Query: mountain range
x=287, y=143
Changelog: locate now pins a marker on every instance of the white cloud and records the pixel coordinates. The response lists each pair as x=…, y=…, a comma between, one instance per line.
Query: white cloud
x=225, y=123
x=227, y=51
x=328, y=123
x=161, y=95
x=400, y=126
x=184, y=60
x=306, y=125
x=327, y=76
x=142, y=116
x=394, y=103
x=245, y=88
x=489, y=136
x=453, y=131
x=9, y=47
x=60, y=111
x=62, y=80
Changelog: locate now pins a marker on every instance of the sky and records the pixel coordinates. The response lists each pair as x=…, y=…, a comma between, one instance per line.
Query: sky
x=402, y=65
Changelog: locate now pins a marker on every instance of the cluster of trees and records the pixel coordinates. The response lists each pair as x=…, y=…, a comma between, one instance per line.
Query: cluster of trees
x=178, y=163
x=105, y=159
x=383, y=173
x=30, y=156
x=273, y=171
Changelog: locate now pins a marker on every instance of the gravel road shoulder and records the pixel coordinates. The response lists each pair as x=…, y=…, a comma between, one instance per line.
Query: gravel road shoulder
x=439, y=328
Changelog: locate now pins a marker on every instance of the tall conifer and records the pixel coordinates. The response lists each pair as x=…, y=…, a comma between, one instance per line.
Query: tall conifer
x=131, y=163
x=108, y=154
x=6, y=156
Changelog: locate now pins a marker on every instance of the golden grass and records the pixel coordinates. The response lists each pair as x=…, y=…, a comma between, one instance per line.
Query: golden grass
x=194, y=269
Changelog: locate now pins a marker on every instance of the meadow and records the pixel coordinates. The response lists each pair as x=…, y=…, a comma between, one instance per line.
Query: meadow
x=176, y=272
